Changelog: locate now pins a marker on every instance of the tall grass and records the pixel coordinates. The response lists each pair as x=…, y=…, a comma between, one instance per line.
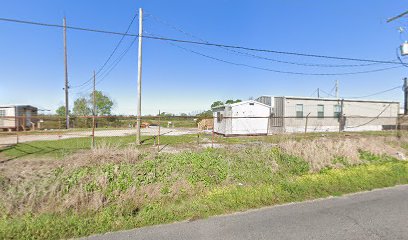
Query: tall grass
x=118, y=187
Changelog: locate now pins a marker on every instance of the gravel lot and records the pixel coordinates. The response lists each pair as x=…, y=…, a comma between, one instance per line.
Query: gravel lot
x=49, y=135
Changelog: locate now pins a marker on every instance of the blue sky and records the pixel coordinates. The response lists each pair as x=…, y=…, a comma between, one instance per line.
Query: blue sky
x=175, y=80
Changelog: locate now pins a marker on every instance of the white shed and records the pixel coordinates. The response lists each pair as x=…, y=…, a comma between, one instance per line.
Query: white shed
x=17, y=117
x=243, y=118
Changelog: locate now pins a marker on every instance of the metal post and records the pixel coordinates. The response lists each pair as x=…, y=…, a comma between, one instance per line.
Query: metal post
x=212, y=138
x=94, y=109
x=307, y=118
x=398, y=127
x=341, y=117
x=139, y=78
x=66, y=74
x=158, y=136
x=405, y=96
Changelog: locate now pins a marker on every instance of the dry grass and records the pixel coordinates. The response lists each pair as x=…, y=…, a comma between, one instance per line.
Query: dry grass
x=40, y=185
x=321, y=153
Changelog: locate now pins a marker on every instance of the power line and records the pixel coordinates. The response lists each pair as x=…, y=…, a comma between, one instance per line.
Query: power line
x=258, y=56
x=377, y=93
x=202, y=43
x=280, y=71
x=328, y=94
x=373, y=118
x=113, y=65
x=112, y=53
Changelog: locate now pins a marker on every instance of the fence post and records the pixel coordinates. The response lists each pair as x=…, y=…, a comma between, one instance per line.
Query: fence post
x=398, y=127
x=307, y=118
x=158, y=136
x=212, y=138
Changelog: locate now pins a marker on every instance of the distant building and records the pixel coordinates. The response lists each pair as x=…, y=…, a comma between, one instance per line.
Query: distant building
x=17, y=117
x=287, y=114
x=243, y=118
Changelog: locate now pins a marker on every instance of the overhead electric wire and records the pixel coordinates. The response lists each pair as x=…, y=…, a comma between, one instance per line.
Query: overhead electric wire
x=377, y=93
x=258, y=56
x=373, y=119
x=328, y=94
x=112, y=66
x=280, y=71
x=112, y=53
x=202, y=43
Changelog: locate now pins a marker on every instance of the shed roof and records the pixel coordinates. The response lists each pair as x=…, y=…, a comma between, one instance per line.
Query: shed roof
x=12, y=106
x=238, y=103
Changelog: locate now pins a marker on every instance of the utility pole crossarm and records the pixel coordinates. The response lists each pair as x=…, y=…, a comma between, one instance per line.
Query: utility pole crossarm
x=396, y=17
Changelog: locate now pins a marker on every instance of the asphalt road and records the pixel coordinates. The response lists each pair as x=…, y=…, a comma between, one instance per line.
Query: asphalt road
x=379, y=214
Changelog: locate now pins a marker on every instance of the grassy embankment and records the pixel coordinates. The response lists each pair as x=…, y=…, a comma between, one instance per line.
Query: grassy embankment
x=64, y=147
x=111, y=189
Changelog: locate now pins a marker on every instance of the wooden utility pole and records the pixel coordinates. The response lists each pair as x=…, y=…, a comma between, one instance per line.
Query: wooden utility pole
x=94, y=109
x=66, y=73
x=139, y=79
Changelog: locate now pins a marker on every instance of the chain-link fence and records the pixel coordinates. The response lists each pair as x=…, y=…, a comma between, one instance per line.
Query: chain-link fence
x=42, y=134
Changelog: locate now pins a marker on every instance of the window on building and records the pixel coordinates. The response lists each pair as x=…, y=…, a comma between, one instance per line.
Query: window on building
x=2, y=113
x=320, y=111
x=299, y=110
x=219, y=116
x=337, y=111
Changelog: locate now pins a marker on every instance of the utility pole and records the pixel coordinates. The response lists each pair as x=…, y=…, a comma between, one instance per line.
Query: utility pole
x=139, y=78
x=66, y=73
x=405, y=96
x=318, y=92
x=337, y=88
x=94, y=109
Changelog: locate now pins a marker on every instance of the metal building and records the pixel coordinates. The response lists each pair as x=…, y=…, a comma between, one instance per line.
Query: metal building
x=243, y=118
x=300, y=114
x=17, y=117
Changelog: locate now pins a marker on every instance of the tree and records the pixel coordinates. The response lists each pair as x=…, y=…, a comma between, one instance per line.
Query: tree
x=216, y=104
x=103, y=104
x=81, y=107
x=60, y=111
x=84, y=106
x=230, y=101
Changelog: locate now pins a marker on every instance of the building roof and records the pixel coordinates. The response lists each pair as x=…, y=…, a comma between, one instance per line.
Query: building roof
x=12, y=106
x=239, y=103
x=338, y=99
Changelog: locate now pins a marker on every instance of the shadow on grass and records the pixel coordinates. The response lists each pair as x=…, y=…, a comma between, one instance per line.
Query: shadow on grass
x=22, y=151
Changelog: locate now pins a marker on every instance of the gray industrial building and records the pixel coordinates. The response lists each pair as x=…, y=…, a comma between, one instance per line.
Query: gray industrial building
x=299, y=114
